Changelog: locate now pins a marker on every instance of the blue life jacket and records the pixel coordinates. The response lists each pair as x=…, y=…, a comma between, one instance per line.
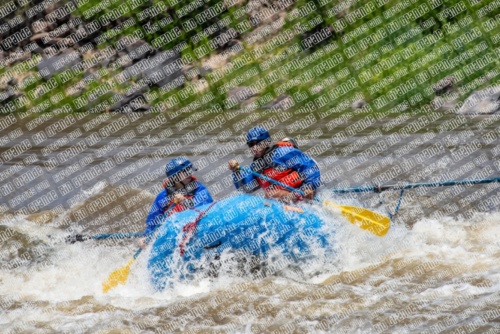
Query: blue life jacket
x=196, y=195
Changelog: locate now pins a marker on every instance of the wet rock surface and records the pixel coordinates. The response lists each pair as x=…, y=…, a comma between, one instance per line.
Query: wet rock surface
x=132, y=102
x=58, y=63
x=486, y=101
x=282, y=102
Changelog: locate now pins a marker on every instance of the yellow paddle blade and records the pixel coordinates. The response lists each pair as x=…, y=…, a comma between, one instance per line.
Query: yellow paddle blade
x=371, y=221
x=119, y=276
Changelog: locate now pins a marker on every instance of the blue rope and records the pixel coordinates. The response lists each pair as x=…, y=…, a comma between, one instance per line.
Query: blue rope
x=379, y=189
x=397, y=205
x=370, y=188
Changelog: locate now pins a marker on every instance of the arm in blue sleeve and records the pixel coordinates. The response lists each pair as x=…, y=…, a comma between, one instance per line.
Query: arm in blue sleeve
x=302, y=163
x=202, y=196
x=245, y=181
x=155, y=215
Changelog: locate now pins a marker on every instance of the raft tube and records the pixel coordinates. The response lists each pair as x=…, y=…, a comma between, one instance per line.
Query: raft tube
x=243, y=224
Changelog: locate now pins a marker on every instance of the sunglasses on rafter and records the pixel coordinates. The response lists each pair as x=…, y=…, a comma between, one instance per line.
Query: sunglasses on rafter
x=253, y=143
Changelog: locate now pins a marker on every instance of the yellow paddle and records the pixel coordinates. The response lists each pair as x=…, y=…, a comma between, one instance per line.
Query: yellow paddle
x=368, y=220
x=120, y=275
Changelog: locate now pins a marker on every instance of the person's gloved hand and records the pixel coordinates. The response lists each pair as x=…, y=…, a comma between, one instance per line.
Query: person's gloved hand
x=179, y=198
x=233, y=165
x=141, y=242
x=308, y=191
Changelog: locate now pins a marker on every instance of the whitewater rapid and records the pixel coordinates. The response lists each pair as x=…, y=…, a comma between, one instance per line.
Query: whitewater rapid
x=440, y=274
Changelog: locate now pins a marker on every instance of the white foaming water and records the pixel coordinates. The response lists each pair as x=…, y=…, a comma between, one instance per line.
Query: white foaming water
x=76, y=271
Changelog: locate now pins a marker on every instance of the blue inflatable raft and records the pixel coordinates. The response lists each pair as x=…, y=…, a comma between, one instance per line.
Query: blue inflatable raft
x=241, y=225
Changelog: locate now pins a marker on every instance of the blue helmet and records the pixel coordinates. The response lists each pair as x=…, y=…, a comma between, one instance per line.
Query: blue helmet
x=176, y=165
x=257, y=133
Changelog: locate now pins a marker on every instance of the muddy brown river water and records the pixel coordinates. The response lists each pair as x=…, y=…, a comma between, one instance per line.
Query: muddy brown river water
x=436, y=271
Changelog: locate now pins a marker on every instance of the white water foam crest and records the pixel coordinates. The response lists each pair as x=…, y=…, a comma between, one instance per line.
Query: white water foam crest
x=227, y=274
x=79, y=269
x=95, y=189
x=360, y=249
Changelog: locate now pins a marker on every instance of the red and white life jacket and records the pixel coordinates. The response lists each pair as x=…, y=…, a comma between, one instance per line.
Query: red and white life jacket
x=289, y=176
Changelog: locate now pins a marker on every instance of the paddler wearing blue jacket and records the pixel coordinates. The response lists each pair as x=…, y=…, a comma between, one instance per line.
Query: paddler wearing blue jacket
x=181, y=189
x=282, y=162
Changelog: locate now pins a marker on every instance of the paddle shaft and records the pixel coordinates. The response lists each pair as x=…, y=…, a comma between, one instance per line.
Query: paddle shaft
x=83, y=237
x=148, y=238
x=120, y=275
x=117, y=235
x=363, y=218
x=298, y=191
x=378, y=189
